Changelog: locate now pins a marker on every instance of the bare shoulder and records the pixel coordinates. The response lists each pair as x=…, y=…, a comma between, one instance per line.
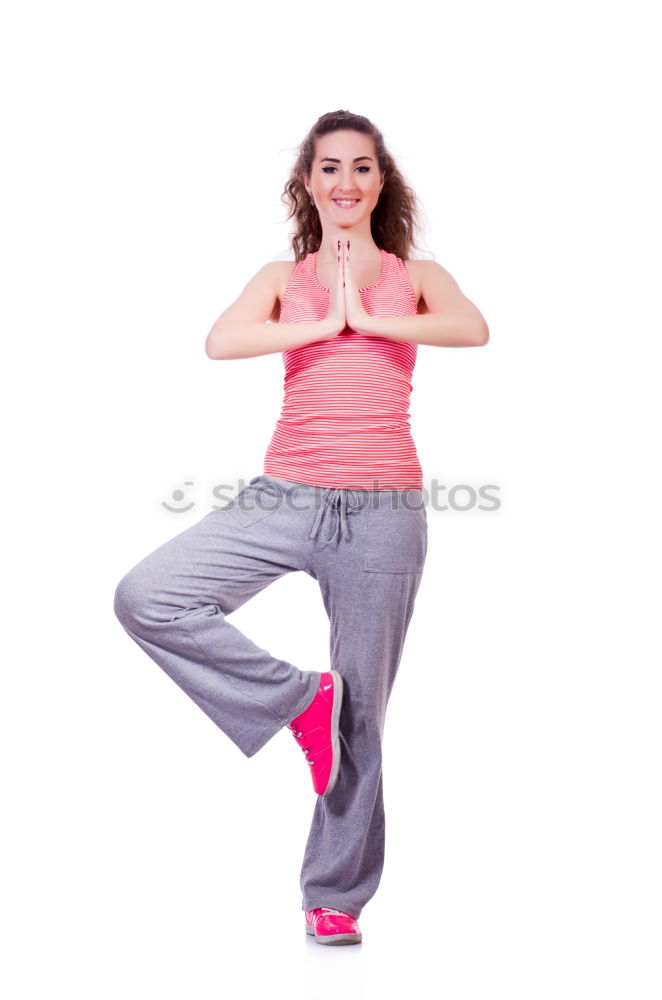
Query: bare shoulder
x=415, y=276
x=438, y=290
x=282, y=271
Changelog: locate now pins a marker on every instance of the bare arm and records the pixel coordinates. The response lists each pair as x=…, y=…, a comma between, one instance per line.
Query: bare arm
x=450, y=319
x=244, y=330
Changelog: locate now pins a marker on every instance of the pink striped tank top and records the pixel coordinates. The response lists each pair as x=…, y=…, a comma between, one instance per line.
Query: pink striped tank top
x=344, y=421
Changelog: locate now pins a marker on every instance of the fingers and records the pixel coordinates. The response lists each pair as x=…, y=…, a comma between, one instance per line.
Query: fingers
x=343, y=259
x=343, y=249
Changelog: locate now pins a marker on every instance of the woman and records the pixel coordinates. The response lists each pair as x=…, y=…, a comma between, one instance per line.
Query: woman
x=343, y=471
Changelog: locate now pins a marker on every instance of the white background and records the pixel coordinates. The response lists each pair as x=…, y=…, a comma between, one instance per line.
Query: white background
x=146, y=147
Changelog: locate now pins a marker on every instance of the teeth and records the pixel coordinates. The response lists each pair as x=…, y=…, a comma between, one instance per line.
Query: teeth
x=346, y=203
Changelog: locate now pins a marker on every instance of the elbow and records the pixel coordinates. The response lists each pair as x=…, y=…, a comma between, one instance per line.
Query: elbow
x=482, y=335
x=212, y=347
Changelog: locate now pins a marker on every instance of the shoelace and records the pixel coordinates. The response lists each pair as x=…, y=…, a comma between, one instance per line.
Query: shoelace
x=297, y=736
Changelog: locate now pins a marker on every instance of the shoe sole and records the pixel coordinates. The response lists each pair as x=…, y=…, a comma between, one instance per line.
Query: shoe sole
x=334, y=938
x=335, y=737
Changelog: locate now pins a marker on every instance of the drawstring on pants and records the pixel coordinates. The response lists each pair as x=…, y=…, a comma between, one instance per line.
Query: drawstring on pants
x=342, y=502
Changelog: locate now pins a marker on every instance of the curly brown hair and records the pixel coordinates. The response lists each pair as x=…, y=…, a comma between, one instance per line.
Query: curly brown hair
x=396, y=215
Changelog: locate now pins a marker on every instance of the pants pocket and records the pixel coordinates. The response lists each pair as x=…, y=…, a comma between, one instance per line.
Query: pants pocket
x=396, y=540
x=253, y=503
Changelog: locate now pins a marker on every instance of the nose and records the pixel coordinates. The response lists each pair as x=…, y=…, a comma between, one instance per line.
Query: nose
x=346, y=184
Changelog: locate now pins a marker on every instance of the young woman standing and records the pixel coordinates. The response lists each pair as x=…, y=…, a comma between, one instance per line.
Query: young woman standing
x=340, y=498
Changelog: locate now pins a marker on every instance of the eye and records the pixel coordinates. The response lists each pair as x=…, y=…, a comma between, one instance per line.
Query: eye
x=362, y=167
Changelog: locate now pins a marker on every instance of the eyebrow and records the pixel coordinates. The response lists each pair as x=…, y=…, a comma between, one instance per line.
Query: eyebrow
x=334, y=160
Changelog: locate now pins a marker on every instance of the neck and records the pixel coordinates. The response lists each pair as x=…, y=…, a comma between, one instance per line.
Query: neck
x=362, y=246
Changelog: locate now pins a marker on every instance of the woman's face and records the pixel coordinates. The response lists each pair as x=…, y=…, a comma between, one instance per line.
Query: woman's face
x=345, y=167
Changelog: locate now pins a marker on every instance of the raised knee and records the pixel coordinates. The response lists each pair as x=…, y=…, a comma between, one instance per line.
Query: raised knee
x=143, y=601
x=131, y=602
x=123, y=602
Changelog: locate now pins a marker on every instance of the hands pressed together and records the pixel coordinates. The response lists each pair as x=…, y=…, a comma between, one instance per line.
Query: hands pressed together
x=345, y=306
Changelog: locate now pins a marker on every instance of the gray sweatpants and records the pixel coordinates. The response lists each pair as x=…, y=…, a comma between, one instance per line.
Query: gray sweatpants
x=366, y=549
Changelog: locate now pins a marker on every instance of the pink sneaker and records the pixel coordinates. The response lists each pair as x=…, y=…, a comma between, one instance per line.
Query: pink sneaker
x=332, y=926
x=316, y=732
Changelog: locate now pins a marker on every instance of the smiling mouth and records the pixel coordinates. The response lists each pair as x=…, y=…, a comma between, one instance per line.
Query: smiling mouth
x=346, y=202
